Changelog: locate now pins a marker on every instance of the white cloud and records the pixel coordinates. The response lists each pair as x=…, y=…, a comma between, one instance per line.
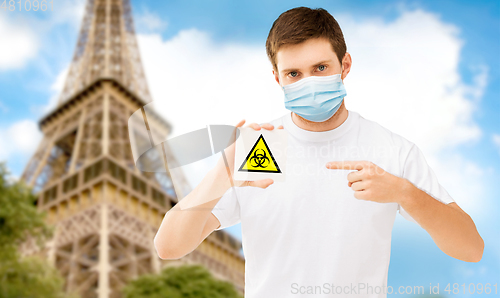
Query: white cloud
x=19, y=139
x=464, y=181
x=69, y=12
x=20, y=34
x=148, y=21
x=56, y=89
x=404, y=76
x=496, y=140
x=19, y=44
x=195, y=82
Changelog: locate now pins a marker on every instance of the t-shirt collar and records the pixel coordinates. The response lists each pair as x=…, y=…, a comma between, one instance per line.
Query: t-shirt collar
x=318, y=136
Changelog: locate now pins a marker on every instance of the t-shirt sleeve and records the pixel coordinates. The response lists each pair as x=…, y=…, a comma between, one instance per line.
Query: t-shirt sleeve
x=417, y=171
x=227, y=210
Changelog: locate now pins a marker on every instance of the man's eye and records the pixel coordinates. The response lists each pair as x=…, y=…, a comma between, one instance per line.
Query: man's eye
x=293, y=74
x=321, y=67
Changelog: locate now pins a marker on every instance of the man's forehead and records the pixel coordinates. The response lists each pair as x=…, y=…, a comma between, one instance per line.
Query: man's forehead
x=305, y=55
x=307, y=62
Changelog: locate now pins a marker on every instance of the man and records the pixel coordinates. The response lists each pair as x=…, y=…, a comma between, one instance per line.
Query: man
x=327, y=229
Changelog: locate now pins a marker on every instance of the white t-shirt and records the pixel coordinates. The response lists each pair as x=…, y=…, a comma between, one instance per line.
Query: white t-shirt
x=310, y=235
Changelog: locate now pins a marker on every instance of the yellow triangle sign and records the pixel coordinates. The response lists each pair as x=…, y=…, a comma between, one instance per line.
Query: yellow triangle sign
x=260, y=159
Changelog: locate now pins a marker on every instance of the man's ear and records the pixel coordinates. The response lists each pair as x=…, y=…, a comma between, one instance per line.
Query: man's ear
x=276, y=77
x=346, y=63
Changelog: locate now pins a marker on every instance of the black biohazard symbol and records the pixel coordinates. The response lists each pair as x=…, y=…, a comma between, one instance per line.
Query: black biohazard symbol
x=260, y=159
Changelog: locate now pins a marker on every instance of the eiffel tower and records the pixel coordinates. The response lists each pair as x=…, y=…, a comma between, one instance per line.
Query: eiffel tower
x=105, y=210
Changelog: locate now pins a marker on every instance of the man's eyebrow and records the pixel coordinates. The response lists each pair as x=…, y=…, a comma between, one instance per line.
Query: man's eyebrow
x=315, y=65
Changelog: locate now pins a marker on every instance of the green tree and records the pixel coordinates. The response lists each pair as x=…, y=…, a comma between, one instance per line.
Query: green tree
x=23, y=276
x=188, y=281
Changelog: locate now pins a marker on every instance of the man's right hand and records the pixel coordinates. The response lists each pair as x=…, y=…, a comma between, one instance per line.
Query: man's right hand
x=228, y=172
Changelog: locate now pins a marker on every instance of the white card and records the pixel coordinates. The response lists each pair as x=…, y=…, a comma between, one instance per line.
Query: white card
x=260, y=154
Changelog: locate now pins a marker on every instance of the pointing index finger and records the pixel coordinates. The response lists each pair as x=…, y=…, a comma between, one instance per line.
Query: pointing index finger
x=346, y=165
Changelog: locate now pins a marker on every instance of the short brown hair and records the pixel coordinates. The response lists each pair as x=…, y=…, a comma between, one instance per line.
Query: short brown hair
x=300, y=24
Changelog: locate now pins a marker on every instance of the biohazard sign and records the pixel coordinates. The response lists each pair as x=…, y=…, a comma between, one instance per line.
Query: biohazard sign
x=260, y=159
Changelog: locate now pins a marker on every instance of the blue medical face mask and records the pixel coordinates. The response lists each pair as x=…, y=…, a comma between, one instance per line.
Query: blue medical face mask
x=315, y=98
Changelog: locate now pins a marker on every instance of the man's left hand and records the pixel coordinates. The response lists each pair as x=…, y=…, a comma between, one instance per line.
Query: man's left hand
x=372, y=183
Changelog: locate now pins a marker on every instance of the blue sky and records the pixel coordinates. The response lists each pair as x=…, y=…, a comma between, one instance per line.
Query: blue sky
x=448, y=51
